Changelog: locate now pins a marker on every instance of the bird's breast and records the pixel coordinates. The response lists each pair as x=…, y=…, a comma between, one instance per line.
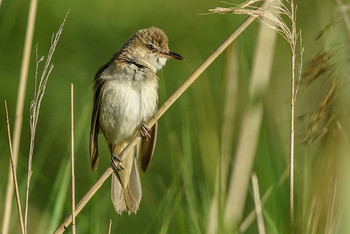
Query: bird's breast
x=125, y=104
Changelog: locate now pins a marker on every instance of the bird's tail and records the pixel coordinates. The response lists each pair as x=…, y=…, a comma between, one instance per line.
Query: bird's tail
x=126, y=185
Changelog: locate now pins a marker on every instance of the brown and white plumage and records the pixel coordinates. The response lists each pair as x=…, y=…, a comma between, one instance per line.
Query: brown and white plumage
x=125, y=96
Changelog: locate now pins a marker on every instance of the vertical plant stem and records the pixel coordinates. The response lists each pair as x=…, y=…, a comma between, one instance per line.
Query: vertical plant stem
x=247, y=222
x=291, y=156
x=19, y=109
x=257, y=201
x=64, y=225
x=13, y=167
x=109, y=226
x=28, y=184
x=35, y=109
x=72, y=153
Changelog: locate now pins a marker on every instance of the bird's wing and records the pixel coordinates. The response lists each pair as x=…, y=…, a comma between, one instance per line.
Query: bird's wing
x=147, y=148
x=98, y=84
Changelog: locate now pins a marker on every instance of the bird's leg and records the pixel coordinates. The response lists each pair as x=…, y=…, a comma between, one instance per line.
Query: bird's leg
x=145, y=131
x=116, y=162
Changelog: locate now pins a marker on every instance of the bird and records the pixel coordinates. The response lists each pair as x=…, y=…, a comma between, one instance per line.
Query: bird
x=126, y=97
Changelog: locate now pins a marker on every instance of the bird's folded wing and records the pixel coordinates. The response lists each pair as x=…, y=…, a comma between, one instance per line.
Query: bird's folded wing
x=98, y=84
x=147, y=148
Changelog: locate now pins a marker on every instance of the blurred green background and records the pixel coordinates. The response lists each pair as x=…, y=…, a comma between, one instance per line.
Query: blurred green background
x=179, y=184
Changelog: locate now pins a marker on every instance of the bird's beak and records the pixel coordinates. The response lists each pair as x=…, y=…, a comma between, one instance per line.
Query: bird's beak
x=172, y=55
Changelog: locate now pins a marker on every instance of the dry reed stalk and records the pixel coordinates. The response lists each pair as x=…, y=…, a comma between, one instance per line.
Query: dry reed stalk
x=13, y=167
x=252, y=214
x=19, y=109
x=65, y=224
x=291, y=152
x=203, y=67
x=35, y=108
x=292, y=43
x=95, y=187
x=158, y=114
x=242, y=165
x=274, y=20
x=257, y=201
x=72, y=153
x=248, y=221
x=109, y=226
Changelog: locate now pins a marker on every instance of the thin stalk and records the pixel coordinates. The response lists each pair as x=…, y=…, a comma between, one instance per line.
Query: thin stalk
x=19, y=109
x=65, y=224
x=257, y=201
x=291, y=155
x=159, y=114
x=13, y=167
x=35, y=109
x=72, y=153
x=202, y=68
x=109, y=226
x=247, y=222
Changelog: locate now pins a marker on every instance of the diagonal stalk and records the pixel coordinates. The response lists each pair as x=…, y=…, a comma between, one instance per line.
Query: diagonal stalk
x=211, y=58
x=13, y=167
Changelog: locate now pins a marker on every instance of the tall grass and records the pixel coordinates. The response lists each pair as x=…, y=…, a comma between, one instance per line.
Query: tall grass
x=19, y=109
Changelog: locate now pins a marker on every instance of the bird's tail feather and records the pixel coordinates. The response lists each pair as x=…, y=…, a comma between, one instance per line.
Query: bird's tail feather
x=117, y=194
x=126, y=185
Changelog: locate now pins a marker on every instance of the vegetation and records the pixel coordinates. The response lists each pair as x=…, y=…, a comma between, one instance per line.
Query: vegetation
x=233, y=121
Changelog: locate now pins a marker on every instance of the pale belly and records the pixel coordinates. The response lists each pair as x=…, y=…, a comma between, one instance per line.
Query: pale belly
x=123, y=108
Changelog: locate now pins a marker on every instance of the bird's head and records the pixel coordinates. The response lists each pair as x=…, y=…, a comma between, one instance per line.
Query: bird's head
x=150, y=47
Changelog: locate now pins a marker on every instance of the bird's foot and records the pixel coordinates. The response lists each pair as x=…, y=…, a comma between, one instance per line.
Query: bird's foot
x=145, y=131
x=116, y=163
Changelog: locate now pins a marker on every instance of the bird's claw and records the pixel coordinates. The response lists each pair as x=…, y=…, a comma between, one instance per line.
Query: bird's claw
x=145, y=131
x=117, y=163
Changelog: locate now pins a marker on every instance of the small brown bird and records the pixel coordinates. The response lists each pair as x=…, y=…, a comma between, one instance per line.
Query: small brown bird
x=125, y=97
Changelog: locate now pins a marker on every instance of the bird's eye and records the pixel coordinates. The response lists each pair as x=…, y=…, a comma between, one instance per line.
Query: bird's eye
x=150, y=47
